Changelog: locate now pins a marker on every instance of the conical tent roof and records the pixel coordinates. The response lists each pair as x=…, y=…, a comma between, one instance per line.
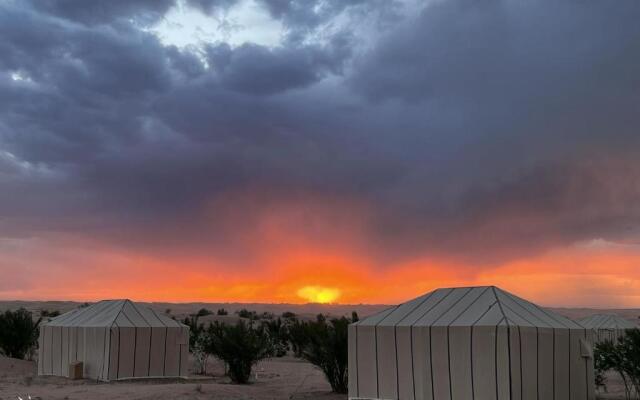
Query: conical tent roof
x=109, y=313
x=606, y=321
x=469, y=306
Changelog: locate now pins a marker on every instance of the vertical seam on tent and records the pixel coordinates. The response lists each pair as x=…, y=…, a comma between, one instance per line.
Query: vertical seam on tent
x=150, y=343
x=433, y=395
x=569, y=362
x=51, y=352
x=119, y=351
x=375, y=339
x=449, y=362
x=104, y=348
x=538, y=363
x=473, y=390
x=164, y=361
x=413, y=372
x=495, y=363
x=135, y=348
x=510, y=366
x=357, y=366
x=553, y=367
x=520, y=346
x=150, y=337
x=109, y=362
x=586, y=366
x=395, y=342
x=61, y=366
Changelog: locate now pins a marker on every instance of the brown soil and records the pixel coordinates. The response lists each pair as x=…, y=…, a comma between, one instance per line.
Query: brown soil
x=281, y=378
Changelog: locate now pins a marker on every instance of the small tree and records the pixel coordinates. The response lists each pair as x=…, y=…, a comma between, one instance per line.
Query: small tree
x=327, y=348
x=49, y=314
x=18, y=333
x=240, y=346
x=203, y=312
x=222, y=311
x=297, y=336
x=277, y=334
x=200, y=353
x=250, y=315
x=622, y=357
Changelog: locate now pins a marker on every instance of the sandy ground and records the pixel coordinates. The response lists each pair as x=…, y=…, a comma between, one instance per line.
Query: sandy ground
x=282, y=378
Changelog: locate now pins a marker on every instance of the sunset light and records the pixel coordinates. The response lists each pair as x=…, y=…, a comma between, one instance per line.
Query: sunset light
x=319, y=294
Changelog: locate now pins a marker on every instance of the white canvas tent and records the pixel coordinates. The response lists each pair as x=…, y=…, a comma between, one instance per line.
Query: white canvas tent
x=115, y=339
x=607, y=326
x=476, y=343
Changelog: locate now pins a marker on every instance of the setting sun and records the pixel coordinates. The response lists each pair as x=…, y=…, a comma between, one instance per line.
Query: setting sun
x=319, y=294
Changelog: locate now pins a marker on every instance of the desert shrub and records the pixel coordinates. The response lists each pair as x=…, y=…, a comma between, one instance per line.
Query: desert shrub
x=288, y=315
x=622, y=357
x=276, y=331
x=354, y=317
x=244, y=313
x=196, y=329
x=240, y=346
x=200, y=351
x=222, y=311
x=18, y=333
x=49, y=314
x=203, y=312
x=297, y=336
x=326, y=346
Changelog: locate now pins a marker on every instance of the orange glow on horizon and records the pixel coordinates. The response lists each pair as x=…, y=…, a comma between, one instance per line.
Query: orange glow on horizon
x=298, y=263
x=319, y=294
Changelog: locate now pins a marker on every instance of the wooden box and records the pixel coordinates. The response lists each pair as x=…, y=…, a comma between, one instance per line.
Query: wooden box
x=75, y=370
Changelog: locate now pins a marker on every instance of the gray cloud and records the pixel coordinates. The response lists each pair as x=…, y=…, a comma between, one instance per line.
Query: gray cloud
x=475, y=130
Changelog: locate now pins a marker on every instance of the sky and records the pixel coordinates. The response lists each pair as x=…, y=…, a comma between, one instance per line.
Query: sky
x=350, y=151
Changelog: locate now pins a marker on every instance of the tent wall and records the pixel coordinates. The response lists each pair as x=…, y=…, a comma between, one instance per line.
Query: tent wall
x=469, y=363
x=140, y=352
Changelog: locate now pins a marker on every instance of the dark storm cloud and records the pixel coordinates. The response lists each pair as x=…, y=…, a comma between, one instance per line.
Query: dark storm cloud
x=471, y=129
x=98, y=12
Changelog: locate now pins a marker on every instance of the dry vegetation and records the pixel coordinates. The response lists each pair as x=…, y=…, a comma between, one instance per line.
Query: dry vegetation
x=275, y=378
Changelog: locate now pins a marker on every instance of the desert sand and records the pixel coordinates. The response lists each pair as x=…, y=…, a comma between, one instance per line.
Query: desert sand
x=280, y=378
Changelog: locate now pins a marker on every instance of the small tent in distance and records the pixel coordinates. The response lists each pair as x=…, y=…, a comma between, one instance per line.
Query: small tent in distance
x=115, y=339
x=607, y=326
x=470, y=343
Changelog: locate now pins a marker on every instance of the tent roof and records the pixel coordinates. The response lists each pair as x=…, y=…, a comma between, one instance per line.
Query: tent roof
x=469, y=306
x=107, y=313
x=607, y=321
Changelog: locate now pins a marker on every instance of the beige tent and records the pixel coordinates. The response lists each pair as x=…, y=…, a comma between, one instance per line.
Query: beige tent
x=115, y=339
x=476, y=343
x=607, y=326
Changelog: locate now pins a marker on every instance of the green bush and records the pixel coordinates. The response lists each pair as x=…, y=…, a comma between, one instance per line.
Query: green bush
x=297, y=336
x=240, y=346
x=622, y=357
x=325, y=345
x=18, y=333
x=277, y=334
x=250, y=315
